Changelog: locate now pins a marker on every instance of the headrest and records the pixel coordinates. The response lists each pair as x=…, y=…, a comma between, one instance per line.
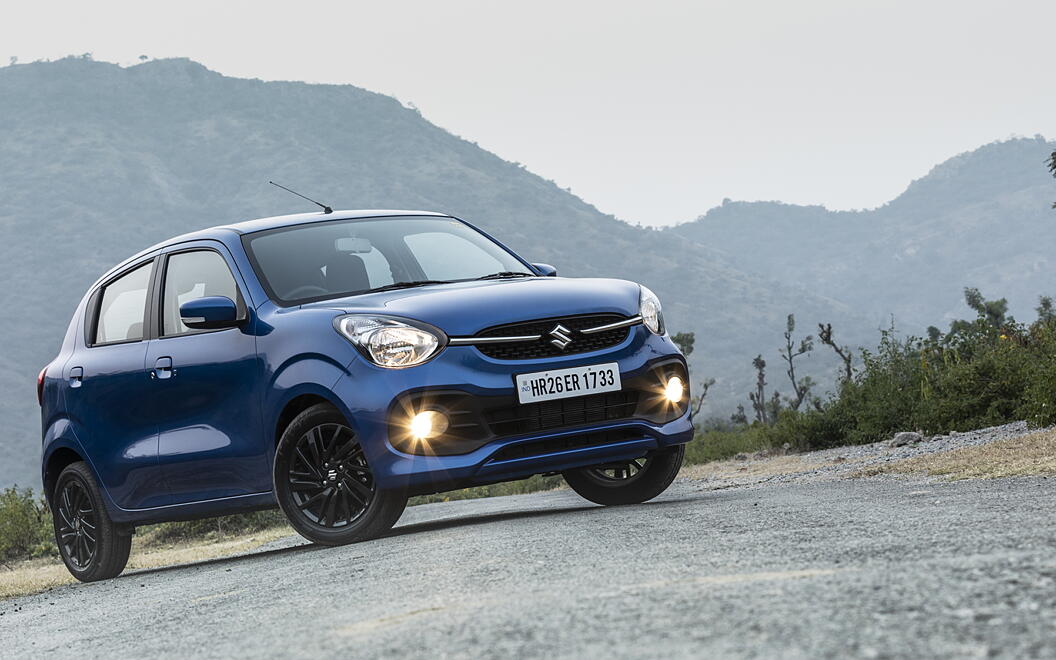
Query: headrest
x=346, y=272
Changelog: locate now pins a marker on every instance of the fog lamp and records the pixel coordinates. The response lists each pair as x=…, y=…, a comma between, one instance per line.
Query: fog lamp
x=428, y=424
x=674, y=390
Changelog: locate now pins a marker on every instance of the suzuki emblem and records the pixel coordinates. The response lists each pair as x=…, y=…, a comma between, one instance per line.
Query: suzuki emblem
x=560, y=335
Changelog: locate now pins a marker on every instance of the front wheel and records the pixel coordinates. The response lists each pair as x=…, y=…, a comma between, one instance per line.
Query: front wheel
x=324, y=484
x=92, y=546
x=628, y=482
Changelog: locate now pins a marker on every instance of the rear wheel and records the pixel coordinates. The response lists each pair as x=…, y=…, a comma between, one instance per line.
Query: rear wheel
x=325, y=485
x=92, y=546
x=628, y=482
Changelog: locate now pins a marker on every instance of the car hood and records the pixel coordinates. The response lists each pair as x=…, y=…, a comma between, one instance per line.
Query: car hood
x=464, y=308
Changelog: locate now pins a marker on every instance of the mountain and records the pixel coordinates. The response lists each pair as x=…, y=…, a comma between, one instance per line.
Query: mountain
x=980, y=219
x=98, y=161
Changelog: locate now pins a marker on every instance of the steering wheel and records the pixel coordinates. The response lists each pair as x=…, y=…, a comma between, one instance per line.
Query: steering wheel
x=307, y=291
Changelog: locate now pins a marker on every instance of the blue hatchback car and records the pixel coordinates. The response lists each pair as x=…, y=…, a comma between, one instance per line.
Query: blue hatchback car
x=336, y=364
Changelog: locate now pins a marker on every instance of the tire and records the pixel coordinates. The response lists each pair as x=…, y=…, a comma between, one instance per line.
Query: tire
x=92, y=546
x=628, y=482
x=325, y=486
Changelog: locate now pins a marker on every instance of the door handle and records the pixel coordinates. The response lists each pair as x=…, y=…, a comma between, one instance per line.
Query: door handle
x=76, y=376
x=163, y=368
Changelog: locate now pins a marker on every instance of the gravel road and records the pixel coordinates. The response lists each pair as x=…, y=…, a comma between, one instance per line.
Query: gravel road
x=825, y=567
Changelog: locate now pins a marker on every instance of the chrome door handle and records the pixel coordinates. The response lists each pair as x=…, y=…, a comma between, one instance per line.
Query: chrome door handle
x=76, y=376
x=163, y=368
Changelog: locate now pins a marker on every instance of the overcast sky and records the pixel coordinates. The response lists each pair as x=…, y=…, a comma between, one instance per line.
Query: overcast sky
x=653, y=111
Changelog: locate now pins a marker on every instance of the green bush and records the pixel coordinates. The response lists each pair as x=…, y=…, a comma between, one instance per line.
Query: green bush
x=212, y=528
x=719, y=444
x=25, y=526
x=982, y=373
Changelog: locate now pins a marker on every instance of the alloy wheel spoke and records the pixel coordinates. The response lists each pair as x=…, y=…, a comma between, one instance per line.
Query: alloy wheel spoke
x=66, y=501
x=312, y=500
x=313, y=447
x=308, y=464
x=357, y=486
x=324, y=513
x=67, y=521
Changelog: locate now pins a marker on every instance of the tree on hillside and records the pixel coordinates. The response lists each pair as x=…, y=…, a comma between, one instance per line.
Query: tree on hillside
x=994, y=312
x=801, y=386
x=684, y=341
x=758, y=398
x=844, y=352
x=1046, y=310
x=1052, y=169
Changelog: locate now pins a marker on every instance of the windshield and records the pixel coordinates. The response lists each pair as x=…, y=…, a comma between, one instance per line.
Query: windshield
x=322, y=260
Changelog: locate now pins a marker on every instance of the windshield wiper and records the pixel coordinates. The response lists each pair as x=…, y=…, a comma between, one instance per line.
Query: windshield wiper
x=504, y=274
x=405, y=285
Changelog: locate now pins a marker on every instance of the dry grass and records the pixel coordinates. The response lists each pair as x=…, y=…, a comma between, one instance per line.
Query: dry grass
x=752, y=468
x=36, y=575
x=1028, y=455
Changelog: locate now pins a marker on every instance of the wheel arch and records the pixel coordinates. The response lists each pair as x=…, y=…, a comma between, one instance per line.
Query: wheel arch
x=298, y=402
x=57, y=461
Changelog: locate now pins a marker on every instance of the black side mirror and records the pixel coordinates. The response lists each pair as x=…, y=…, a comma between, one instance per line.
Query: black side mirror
x=546, y=270
x=210, y=313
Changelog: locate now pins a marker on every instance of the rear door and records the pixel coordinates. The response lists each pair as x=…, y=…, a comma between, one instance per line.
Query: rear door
x=206, y=384
x=107, y=390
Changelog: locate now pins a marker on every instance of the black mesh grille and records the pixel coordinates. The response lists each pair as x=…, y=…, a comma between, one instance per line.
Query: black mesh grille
x=551, y=445
x=546, y=415
x=542, y=348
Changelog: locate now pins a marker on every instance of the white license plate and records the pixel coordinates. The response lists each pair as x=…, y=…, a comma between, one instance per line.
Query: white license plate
x=565, y=383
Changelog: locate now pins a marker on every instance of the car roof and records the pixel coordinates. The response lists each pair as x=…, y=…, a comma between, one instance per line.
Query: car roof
x=263, y=224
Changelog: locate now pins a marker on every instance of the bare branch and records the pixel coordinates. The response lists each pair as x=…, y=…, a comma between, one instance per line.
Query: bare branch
x=844, y=352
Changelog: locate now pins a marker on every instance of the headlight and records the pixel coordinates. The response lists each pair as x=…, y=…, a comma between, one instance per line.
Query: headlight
x=390, y=342
x=649, y=308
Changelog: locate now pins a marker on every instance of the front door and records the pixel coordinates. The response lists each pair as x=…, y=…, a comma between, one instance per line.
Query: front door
x=206, y=387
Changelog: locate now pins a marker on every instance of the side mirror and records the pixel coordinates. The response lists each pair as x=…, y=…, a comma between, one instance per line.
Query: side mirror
x=210, y=313
x=546, y=270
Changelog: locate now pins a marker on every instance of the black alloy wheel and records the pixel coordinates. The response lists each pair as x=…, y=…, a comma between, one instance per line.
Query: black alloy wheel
x=92, y=546
x=329, y=478
x=324, y=483
x=621, y=472
x=630, y=481
x=78, y=528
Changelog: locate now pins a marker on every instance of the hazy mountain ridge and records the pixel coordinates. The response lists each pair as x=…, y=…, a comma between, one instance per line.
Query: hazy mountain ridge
x=100, y=161
x=981, y=218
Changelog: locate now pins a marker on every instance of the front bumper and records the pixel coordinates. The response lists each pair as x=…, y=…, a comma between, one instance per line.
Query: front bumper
x=368, y=393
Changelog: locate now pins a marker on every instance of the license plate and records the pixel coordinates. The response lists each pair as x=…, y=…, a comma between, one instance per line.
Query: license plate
x=565, y=383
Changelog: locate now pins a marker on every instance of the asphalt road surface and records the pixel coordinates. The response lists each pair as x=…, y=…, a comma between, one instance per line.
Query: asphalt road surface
x=877, y=567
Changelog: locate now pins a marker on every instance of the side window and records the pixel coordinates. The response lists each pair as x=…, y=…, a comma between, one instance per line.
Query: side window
x=432, y=250
x=191, y=275
x=121, y=309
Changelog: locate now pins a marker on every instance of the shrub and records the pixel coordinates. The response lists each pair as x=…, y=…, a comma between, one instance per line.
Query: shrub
x=719, y=444
x=25, y=525
x=982, y=373
x=212, y=528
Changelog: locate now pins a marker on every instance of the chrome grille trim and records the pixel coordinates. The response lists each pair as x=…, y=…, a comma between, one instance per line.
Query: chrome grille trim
x=465, y=341
x=634, y=320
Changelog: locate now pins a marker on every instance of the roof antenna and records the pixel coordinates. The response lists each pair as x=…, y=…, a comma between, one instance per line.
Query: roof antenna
x=326, y=209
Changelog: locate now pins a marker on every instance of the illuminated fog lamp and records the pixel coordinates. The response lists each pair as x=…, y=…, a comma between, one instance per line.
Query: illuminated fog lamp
x=428, y=424
x=674, y=390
